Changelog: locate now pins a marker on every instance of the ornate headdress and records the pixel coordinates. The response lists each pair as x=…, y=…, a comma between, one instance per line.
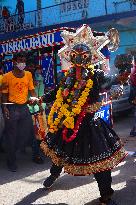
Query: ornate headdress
x=84, y=35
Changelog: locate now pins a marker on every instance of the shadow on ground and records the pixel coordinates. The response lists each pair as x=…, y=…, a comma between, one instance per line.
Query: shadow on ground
x=25, y=168
x=65, y=182
x=34, y=196
x=122, y=174
x=127, y=195
x=124, y=196
x=125, y=174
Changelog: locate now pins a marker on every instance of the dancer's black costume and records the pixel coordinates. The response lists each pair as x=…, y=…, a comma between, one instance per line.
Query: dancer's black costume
x=96, y=149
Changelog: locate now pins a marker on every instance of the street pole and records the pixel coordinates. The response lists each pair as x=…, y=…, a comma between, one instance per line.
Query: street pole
x=39, y=12
x=106, y=10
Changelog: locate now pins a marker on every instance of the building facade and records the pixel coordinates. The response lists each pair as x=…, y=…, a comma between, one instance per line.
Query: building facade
x=100, y=15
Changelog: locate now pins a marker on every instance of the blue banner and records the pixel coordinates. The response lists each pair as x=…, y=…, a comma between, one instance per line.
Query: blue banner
x=8, y=66
x=48, y=73
x=105, y=113
x=32, y=42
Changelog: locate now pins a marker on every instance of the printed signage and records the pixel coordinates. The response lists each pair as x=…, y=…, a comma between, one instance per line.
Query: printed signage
x=104, y=113
x=33, y=42
x=70, y=6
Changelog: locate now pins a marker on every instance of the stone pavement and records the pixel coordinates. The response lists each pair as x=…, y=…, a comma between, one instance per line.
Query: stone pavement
x=25, y=186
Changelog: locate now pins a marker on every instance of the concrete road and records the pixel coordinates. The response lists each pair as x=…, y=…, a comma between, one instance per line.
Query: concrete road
x=25, y=186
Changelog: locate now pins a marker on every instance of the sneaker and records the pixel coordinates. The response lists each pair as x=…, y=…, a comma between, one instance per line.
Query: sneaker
x=38, y=160
x=49, y=181
x=12, y=167
x=132, y=134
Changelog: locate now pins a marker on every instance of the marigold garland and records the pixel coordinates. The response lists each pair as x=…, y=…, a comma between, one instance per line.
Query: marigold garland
x=63, y=109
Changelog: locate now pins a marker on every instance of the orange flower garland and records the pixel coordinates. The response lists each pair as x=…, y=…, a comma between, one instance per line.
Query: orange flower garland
x=64, y=109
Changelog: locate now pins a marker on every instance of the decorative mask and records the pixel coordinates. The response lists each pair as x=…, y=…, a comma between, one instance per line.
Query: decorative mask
x=84, y=48
x=80, y=55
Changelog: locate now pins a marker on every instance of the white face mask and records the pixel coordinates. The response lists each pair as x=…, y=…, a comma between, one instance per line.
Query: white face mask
x=21, y=66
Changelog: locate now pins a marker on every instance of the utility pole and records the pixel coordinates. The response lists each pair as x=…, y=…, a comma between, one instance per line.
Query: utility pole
x=39, y=4
x=39, y=12
x=106, y=10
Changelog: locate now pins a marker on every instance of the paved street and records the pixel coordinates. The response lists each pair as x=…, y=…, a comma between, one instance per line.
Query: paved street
x=25, y=186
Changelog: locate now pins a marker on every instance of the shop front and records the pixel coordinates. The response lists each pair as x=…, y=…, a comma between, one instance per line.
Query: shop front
x=39, y=49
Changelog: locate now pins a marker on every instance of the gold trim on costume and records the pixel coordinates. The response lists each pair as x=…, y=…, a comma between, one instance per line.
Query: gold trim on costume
x=85, y=169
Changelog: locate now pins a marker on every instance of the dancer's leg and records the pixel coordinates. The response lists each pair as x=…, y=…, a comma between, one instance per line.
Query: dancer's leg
x=55, y=173
x=104, y=183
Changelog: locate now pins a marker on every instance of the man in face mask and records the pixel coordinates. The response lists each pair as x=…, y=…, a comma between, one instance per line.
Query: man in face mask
x=18, y=83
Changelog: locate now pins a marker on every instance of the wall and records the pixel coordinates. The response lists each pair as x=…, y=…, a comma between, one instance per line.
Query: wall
x=116, y=6
x=127, y=39
x=76, y=10
x=30, y=5
x=11, y=4
x=82, y=9
x=67, y=12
